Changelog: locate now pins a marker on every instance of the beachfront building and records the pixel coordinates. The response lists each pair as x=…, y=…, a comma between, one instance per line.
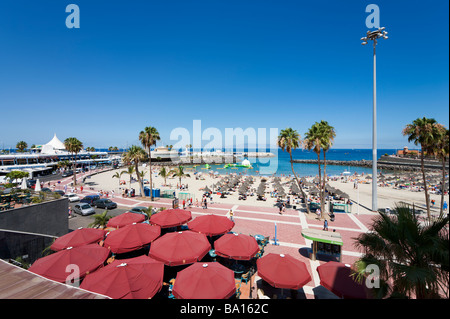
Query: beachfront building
x=44, y=160
x=407, y=152
x=162, y=153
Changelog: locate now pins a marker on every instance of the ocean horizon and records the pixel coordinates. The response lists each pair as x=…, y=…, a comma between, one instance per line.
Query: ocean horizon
x=280, y=165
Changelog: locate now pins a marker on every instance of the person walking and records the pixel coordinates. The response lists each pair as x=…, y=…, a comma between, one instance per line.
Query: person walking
x=325, y=225
x=230, y=213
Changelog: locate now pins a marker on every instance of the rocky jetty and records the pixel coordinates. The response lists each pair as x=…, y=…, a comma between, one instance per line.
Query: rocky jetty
x=386, y=162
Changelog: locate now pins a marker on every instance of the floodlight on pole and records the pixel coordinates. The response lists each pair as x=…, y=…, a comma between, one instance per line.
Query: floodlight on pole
x=374, y=36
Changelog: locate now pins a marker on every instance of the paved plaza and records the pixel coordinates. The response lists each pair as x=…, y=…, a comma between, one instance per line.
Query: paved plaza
x=252, y=220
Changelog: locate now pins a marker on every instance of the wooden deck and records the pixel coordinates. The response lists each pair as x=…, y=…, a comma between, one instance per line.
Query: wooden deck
x=18, y=283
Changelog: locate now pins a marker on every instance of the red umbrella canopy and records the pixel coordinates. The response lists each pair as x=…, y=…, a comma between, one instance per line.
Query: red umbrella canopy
x=79, y=237
x=125, y=219
x=87, y=258
x=180, y=248
x=236, y=246
x=131, y=237
x=171, y=218
x=204, y=281
x=336, y=277
x=283, y=271
x=211, y=225
x=134, y=278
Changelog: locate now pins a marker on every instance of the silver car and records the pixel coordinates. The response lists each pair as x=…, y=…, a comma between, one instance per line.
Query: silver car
x=83, y=209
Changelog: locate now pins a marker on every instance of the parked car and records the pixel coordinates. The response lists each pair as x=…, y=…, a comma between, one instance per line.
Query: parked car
x=60, y=192
x=31, y=183
x=90, y=199
x=67, y=173
x=83, y=209
x=105, y=203
x=46, y=189
x=139, y=210
x=72, y=197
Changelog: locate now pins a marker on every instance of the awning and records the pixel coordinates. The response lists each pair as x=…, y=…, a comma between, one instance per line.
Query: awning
x=323, y=236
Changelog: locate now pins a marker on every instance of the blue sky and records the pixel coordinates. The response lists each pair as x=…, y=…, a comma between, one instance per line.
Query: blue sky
x=249, y=64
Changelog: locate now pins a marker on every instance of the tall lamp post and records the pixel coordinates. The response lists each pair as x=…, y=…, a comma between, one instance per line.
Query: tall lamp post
x=374, y=36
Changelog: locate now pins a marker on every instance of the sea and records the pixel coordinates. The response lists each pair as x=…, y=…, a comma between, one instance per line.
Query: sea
x=280, y=164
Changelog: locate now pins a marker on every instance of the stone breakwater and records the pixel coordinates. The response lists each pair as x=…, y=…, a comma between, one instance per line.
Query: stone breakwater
x=386, y=163
x=362, y=163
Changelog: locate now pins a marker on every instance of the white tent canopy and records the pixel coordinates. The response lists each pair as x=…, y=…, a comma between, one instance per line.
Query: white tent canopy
x=24, y=183
x=53, y=146
x=37, y=188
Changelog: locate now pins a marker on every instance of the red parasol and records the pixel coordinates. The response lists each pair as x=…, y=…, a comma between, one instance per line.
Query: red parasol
x=79, y=237
x=55, y=266
x=125, y=219
x=171, y=218
x=336, y=277
x=283, y=271
x=236, y=246
x=204, y=281
x=211, y=225
x=131, y=237
x=180, y=248
x=134, y=278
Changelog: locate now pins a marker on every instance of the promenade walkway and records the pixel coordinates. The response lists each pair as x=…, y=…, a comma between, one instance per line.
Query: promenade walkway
x=262, y=220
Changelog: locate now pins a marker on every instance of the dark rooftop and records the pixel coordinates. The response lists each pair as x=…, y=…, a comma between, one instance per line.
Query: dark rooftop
x=18, y=283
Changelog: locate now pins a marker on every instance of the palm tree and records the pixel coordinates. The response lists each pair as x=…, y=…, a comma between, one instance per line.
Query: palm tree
x=425, y=132
x=129, y=171
x=413, y=259
x=148, y=138
x=442, y=151
x=64, y=164
x=328, y=135
x=136, y=154
x=148, y=211
x=118, y=176
x=289, y=140
x=100, y=220
x=164, y=173
x=179, y=172
x=21, y=146
x=74, y=146
x=142, y=174
x=313, y=141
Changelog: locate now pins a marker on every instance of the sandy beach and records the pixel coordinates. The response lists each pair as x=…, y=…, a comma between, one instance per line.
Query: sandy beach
x=388, y=196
